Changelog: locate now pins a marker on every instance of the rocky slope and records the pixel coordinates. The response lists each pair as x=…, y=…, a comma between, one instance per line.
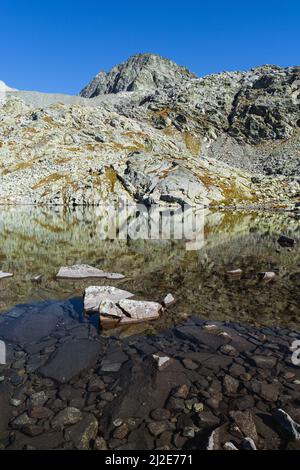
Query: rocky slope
x=151, y=131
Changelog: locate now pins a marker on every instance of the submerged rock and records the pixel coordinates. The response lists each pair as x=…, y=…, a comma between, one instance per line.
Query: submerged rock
x=287, y=425
x=71, y=359
x=84, y=271
x=162, y=361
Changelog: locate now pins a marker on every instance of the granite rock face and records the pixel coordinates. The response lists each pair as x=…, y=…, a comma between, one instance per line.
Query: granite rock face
x=140, y=72
x=152, y=131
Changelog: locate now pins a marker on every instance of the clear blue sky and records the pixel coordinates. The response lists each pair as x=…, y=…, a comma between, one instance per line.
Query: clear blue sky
x=58, y=46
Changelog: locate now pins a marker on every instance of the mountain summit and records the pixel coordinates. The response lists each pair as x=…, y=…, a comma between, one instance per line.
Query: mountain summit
x=139, y=72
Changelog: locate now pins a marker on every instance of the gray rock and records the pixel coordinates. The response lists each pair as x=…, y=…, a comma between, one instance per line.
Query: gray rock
x=94, y=295
x=287, y=425
x=248, y=444
x=82, y=433
x=230, y=384
x=66, y=417
x=38, y=399
x=4, y=275
x=71, y=359
x=244, y=421
x=140, y=72
x=84, y=271
x=264, y=362
x=138, y=310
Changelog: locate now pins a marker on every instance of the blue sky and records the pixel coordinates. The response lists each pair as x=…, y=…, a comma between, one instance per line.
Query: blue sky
x=58, y=46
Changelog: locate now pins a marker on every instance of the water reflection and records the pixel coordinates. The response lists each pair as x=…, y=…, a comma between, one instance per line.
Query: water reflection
x=39, y=240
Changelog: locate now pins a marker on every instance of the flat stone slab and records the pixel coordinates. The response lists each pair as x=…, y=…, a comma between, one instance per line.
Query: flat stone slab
x=71, y=359
x=4, y=275
x=32, y=327
x=138, y=310
x=84, y=271
x=94, y=295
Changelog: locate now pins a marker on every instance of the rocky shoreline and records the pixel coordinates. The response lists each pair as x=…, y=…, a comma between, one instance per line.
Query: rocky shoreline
x=197, y=385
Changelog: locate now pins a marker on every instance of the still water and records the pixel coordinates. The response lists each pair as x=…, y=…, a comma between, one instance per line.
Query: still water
x=37, y=241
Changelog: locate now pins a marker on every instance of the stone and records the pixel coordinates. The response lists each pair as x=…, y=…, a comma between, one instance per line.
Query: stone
x=269, y=392
x=40, y=412
x=286, y=242
x=160, y=414
x=84, y=271
x=198, y=407
x=94, y=295
x=65, y=417
x=189, y=364
x=83, y=432
x=229, y=350
x=286, y=424
x=110, y=309
x=169, y=300
x=235, y=273
x=139, y=310
x=214, y=440
x=113, y=361
x=121, y=431
x=230, y=384
x=158, y=427
x=248, y=444
x=21, y=421
x=264, y=362
x=96, y=384
x=200, y=337
x=71, y=359
x=181, y=391
x=14, y=402
x=38, y=399
x=100, y=444
x=32, y=328
x=162, y=361
x=32, y=430
x=267, y=277
x=229, y=446
x=244, y=421
x=207, y=419
x=4, y=275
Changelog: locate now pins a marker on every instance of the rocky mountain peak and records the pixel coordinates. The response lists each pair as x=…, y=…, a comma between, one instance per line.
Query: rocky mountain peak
x=139, y=72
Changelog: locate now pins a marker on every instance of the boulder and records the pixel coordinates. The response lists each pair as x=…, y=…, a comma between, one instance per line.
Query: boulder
x=94, y=295
x=138, y=310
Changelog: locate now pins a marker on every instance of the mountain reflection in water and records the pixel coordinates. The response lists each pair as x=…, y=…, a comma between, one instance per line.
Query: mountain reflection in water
x=39, y=240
